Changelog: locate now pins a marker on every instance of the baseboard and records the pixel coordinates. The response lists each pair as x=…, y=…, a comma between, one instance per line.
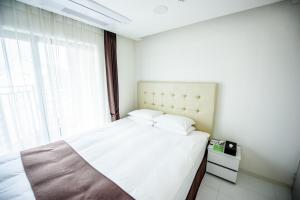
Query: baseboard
x=265, y=178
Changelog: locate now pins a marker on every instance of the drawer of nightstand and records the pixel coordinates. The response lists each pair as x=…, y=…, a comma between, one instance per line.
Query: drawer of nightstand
x=221, y=172
x=224, y=160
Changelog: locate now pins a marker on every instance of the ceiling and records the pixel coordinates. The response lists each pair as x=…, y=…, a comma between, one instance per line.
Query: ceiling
x=145, y=22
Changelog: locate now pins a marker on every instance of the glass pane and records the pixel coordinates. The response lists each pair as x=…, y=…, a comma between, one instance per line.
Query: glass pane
x=21, y=123
x=72, y=86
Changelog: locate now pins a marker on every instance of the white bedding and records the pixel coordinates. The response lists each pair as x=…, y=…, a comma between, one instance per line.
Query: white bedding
x=147, y=162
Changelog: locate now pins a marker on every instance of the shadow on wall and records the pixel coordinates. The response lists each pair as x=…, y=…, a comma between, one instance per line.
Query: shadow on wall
x=218, y=109
x=275, y=173
x=251, y=159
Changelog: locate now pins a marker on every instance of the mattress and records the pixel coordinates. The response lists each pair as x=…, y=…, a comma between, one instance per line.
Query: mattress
x=146, y=162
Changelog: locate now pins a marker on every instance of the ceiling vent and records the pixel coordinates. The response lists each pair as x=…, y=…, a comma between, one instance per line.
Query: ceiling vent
x=87, y=11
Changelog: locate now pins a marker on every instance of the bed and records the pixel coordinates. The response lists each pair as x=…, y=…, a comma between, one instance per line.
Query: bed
x=146, y=162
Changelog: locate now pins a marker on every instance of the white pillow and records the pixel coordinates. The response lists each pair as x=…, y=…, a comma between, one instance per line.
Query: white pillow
x=175, y=122
x=145, y=114
x=167, y=128
x=141, y=121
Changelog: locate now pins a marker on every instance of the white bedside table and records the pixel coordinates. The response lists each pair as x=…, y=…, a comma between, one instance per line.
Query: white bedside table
x=223, y=165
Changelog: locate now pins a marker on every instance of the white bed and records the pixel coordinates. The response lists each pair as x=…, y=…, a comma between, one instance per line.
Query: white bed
x=147, y=162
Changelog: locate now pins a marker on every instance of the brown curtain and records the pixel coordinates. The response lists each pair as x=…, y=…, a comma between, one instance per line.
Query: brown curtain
x=110, y=45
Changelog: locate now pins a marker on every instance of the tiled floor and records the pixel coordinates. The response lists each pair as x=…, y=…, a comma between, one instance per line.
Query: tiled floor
x=246, y=188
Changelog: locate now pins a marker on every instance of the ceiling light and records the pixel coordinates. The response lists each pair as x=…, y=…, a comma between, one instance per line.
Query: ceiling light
x=161, y=9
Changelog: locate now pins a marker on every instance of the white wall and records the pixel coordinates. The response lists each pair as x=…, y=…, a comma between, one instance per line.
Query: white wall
x=126, y=74
x=255, y=58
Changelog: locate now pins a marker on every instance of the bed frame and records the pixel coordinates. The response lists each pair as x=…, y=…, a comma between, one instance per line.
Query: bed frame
x=198, y=178
x=195, y=100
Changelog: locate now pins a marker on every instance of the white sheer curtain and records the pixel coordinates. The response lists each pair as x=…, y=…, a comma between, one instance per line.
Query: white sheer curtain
x=52, y=78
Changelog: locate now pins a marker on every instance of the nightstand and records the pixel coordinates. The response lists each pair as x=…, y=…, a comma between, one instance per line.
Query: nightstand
x=223, y=165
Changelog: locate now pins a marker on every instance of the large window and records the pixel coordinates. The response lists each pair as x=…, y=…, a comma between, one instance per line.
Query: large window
x=52, y=81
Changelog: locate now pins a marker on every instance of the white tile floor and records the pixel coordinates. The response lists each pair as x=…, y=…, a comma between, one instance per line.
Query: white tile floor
x=246, y=188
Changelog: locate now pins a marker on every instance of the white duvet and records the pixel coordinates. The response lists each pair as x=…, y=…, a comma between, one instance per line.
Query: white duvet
x=147, y=162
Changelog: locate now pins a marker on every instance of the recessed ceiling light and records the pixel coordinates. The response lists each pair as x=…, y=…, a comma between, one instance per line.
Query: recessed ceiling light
x=161, y=9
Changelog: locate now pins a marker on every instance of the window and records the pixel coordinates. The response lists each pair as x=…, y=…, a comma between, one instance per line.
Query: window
x=52, y=83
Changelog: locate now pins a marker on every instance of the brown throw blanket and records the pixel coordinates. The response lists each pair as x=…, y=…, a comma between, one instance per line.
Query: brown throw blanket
x=57, y=172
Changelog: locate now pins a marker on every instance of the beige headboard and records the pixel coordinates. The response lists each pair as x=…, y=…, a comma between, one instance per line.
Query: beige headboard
x=192, y=99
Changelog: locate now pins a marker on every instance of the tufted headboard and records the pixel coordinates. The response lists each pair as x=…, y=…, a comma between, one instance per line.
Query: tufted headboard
x=192, y=99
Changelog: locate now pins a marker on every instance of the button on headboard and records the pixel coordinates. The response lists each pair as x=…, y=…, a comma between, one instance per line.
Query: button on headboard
x=191, y=99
